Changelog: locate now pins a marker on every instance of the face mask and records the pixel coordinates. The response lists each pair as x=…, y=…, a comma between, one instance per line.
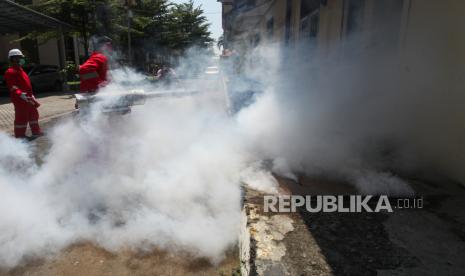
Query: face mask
x=107, y=50
x=22, y=61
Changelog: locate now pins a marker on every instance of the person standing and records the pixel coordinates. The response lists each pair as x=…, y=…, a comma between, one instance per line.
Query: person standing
x=166, y=74
x=93, y=73
x=22, y=96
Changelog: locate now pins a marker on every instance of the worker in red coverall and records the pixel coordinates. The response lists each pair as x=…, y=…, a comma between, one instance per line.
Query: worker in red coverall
x=22, y=96
x=93, y=73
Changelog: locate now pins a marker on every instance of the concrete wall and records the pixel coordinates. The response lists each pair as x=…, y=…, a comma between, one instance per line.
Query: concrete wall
x=434, y=29
x=295, y=20
x=277, y=13
x=331, y=26
x=427, y=38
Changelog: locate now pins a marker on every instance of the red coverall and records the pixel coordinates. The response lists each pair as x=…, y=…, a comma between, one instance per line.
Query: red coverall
x=93, y=73
x=25, y=112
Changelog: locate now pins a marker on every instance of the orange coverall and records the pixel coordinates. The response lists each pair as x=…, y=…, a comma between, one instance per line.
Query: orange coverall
x=93, y=73
x=25, y=111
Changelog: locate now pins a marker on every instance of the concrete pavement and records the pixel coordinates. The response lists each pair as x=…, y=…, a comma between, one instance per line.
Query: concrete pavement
x=424, y=241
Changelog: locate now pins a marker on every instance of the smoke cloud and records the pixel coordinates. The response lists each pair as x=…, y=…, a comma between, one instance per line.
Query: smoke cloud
x=368, y=119
x=168, y=175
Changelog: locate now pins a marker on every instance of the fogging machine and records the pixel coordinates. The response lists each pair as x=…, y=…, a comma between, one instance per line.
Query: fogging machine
x=121, y=103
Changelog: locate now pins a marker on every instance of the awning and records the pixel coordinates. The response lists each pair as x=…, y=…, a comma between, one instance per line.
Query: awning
x=15, y=18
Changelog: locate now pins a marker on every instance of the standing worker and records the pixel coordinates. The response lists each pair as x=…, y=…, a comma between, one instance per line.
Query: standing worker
x=22, y=96
x=93, y=73
x=166, y=74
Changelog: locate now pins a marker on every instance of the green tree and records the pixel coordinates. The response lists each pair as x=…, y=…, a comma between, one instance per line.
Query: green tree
x=155, y=25
x=166, y=28
x=147, y=25
x=81, y=14
x=188, y=27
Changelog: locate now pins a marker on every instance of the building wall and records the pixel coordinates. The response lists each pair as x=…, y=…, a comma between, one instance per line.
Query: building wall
x=278, y=12
x=425, y=37
x=48, y=53
x=330, y=29
x=271, y=26
x=435, y=30
x=295, y=20
x=405, y=24
x=6, y=44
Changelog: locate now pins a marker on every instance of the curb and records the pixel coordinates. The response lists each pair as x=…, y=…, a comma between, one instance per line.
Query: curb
x=277, y=244
x=261, y=245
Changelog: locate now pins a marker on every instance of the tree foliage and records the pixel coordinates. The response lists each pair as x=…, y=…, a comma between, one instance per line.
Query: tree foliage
x=156, y=24
x=188, y=26
x=81, y=14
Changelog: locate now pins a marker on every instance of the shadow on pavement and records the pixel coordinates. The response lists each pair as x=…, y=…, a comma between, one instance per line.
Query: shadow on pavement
x=422, y=241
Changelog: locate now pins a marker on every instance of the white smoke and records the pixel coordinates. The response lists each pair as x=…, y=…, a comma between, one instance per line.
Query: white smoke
x=363, y=119
x=168, y=175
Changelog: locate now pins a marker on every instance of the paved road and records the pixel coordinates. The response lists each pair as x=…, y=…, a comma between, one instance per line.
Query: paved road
x=53, y=104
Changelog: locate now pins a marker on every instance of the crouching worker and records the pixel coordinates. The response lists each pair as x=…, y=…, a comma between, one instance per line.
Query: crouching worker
x=93, y=73
x=22, y=96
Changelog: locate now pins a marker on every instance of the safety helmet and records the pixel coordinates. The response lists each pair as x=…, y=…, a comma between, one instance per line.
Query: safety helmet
x=15, y=52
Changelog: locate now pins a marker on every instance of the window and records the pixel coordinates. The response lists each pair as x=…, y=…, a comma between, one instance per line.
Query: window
x=287, y=34
x=308, y=6
x=244, y=4
x=314, y=23
x=355, y=16
x=270, y=28
x=309, y=19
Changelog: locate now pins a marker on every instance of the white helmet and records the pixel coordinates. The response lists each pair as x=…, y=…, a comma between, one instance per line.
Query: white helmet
x=15, y=52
